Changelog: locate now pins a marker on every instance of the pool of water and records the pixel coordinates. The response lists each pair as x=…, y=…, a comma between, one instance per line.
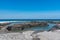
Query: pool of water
x=38, y=27
x=42, y=28
x=33, y=28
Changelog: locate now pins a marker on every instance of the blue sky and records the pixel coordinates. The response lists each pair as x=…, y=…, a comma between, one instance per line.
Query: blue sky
x=29, y=9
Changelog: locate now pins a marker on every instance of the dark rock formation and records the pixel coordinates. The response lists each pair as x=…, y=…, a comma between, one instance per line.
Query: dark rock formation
x=4, y=24
x=29, y=25
x=9, y=28
x=54, y=22
x=36, y=39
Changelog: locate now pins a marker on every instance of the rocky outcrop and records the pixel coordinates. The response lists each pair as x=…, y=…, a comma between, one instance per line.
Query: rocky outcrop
x=28, y=25
x=4, y=24
x=31, y=24
x=23, y=25
x=55, y=27
x=54, y=22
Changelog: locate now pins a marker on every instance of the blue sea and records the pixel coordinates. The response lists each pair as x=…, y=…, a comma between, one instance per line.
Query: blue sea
x=28, y=20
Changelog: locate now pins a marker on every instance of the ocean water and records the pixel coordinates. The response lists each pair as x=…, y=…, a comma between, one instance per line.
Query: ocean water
x=29, y=19
x=16, y=21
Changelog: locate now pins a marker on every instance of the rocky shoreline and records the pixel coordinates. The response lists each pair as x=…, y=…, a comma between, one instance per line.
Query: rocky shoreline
x=53, y=34
x=23, y=25
x=27, y=35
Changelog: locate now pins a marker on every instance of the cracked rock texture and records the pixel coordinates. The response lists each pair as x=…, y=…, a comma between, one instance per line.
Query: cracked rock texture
x=27, y=35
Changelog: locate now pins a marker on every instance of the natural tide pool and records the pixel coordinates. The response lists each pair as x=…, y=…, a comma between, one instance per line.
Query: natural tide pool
x=41, y=28
x=32, y=28
x=38, y=27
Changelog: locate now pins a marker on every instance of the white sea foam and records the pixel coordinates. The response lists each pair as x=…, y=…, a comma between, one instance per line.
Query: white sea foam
x=7, y=21
x=12, y=21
